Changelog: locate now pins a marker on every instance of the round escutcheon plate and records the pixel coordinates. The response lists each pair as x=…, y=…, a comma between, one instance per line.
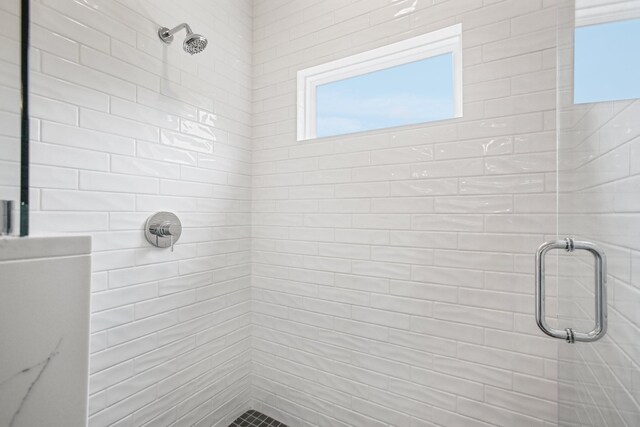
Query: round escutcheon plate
x=163, y=218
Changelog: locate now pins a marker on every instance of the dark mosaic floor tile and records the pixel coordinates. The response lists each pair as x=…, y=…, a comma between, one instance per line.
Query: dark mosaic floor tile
x=254, y=418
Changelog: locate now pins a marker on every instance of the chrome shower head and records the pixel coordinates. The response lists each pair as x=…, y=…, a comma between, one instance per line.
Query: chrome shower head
x=194, y=43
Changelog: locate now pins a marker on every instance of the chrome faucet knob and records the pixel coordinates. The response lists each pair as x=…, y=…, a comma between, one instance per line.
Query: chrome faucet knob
x=163, y=229
x=6, y=225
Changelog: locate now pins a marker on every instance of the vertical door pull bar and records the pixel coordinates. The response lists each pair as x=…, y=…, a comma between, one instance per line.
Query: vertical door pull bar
x=569, y=334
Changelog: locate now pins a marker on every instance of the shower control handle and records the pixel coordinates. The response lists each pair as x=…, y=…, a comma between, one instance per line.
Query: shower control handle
x=163, y=229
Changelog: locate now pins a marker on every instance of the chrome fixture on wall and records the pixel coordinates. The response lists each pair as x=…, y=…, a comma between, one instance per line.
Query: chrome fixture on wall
x=194, y=43
x=569, y=335
x=6, y=224
x=163, y=229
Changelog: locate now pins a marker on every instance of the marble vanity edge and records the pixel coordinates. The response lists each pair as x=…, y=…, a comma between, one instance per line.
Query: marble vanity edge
x=21, y=248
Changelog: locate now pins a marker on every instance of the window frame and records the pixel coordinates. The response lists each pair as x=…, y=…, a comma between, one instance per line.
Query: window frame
x=603, y=12
x=440, y=42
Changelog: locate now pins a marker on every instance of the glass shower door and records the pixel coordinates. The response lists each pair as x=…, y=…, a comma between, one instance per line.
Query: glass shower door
x=10, y=109
x=598, y=121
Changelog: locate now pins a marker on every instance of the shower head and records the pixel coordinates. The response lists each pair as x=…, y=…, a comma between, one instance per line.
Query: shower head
x=194, y=43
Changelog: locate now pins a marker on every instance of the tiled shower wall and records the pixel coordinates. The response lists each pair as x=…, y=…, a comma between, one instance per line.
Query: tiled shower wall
x=393, y=270
x=599, y=203
x=125, y=127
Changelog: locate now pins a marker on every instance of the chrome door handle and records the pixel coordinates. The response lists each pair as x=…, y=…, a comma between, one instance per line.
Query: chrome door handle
x=600, y=328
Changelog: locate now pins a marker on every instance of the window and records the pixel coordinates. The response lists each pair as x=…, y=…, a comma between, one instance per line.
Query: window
x=414, y=81
x=606, y=59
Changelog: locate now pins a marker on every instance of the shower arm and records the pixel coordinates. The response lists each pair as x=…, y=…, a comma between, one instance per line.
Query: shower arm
x=166, y=35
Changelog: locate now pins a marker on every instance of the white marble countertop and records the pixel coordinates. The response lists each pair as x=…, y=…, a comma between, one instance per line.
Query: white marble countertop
x=44, y=330
x=17, y=248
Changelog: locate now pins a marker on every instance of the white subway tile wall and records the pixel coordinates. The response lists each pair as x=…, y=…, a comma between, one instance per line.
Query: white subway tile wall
x=128, y=127
x=393, y=270
x=390, y=273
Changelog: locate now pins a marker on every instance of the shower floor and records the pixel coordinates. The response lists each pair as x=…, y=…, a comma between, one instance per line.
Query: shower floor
x=255, y=419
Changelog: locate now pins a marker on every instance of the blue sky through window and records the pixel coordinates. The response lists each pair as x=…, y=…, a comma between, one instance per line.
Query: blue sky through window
x=607, y=62
x=415, y=92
